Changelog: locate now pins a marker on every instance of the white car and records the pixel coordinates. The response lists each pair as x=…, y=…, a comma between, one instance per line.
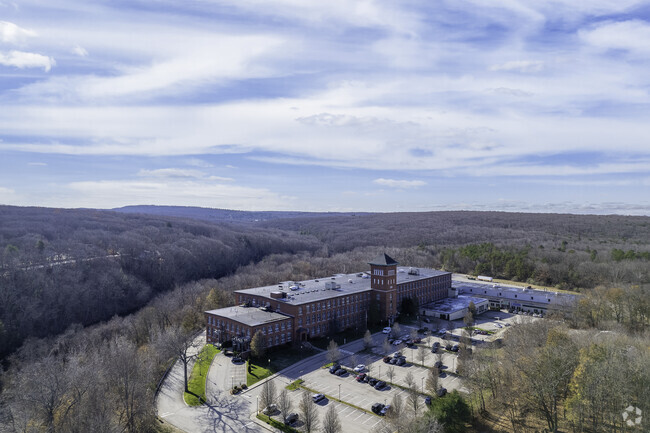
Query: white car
x=359, y=368
x=397, y=342
x=386, y=330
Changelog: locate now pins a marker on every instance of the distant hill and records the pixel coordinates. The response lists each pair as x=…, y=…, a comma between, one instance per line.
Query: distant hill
x=224, y=215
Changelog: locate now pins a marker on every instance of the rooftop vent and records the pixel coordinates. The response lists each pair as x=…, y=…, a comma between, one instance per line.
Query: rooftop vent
x=414, y=271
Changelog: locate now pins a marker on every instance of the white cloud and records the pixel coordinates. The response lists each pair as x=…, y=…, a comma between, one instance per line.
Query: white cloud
x=108, y=194
x=525, y=66
x=37, y=164
x=22, y=60
x=402, y=184
x=6, y=191
x=632, y=36
x=180, y=173
x=80, y=51
x=11, y=33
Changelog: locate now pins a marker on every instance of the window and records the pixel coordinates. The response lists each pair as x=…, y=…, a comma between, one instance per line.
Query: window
x=299, y=311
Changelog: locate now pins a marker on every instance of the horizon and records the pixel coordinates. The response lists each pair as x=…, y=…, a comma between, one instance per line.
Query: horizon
x=337, y=107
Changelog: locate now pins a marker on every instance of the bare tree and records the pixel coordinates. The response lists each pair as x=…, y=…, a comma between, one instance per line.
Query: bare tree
x=367, y=340
x=396, y=413
x=333, y=352
x=284, y=404
x=422, y=354
x=308, y=413
x=386, y=347
x=331, y=422
x=179, y=342
x=432, y=380
x=395, y=330
x=409, y=380
x=413, y=399
x=413, y=334
x=390, y=373
x=267, y=395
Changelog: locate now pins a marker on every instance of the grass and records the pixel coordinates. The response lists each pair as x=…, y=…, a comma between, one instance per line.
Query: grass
x=256, y=373
x=280, y=359
x=277, y=424
x=294, y=385
x=196, y=383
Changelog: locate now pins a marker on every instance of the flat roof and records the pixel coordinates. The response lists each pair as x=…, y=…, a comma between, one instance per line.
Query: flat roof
x=464, y=287
x=302, y=292
x=451, y=305
x=251, y=316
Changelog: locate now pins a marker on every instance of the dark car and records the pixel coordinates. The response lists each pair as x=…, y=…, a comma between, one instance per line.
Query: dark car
x=334, y=368
x=441, y=392
x=436, y=344
x=384, y=410
x=372, y=381
x=291, y=418
x=380, y=384
x=387, y=359
x=400, y=361
x=237, y=359
x=434, y=349
x=393, y=361
x=417, y=340
x=366, y=379
x=438, y=364
x=377, y=407
x=340, y=372
x=448, y=346
x=361, y=377
x=427, y=401
x=455, y=348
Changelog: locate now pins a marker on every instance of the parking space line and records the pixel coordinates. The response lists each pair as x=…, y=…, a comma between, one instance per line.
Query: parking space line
x=360, y=415
x=373, y=426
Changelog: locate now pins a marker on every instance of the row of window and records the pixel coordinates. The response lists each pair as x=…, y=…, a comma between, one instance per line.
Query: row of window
x=235, y=328
x=334, y=303
x=279, y=339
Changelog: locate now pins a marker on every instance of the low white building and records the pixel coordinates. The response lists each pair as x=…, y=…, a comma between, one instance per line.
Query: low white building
x=454, y=308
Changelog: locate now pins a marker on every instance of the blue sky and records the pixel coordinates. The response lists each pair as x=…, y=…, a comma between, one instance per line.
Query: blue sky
x=534, y=106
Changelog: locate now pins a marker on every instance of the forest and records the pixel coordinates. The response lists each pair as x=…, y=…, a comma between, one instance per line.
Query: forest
x=94, y=305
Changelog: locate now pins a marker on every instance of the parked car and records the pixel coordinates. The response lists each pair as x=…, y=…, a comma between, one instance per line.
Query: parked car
x=359, y=368
x=317, y=397
x=397, y=342
x=455, y=348
x=393, y=361
x=291, y=418
x=372, y=381
x=384, y=410
x=427, y=401
x=270, y=409
x=366, y=379
x=237, y=360
x=340, y=372
x=397, y=354
x=438, y=364
x=400, y=361
x=334, y=368
x=386, y=330
x=434, y=349
x=417, y=340
x=377, y=407
x=380, y=384
x=441, y=392
x=436, y=344
x=361, y=377
x=387, y=359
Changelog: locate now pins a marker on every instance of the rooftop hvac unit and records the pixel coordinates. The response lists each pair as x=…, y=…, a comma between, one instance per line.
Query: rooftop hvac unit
x=350, y=281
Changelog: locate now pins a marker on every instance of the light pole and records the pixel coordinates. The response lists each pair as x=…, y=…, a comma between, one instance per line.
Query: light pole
x=232, y=382
x=258, y=405
x=422, y=388
x=339, y=392
x=380, y=371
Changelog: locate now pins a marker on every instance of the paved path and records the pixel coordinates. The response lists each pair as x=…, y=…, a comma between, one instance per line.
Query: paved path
x=223, y=413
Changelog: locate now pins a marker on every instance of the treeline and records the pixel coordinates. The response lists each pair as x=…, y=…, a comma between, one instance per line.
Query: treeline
x=62, y=267
x=550, y=378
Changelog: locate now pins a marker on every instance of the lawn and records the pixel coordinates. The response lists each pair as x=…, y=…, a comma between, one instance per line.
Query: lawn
x=196, y=383
x=280, y=359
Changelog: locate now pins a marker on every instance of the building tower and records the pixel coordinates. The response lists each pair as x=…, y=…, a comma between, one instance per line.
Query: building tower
x=383, y=274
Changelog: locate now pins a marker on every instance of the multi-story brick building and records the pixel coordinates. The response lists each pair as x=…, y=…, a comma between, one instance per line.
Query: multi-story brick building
x=296, y=311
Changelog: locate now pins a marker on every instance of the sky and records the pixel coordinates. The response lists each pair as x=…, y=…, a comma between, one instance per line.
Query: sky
x=380, y=106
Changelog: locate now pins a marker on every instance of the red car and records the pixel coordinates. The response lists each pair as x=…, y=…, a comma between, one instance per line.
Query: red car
x=361, y=377
x=387, y=359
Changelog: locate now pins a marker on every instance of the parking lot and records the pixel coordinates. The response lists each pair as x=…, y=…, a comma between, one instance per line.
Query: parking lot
x=362, y=395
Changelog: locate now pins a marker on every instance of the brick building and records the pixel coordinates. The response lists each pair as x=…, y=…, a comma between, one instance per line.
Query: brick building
x=296, y=311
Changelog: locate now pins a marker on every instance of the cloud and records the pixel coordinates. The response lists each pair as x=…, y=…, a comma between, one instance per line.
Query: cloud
x=402, y=184
x=6, y=191
x=109, y=194
x=524, y=66
x=11, y=33
x=37, y=164
x=22, y=60
x=631, y=36
x=180, y=173
x=80, y=51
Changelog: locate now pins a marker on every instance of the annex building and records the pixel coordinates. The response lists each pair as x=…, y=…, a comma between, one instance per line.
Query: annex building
x=299, y=310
